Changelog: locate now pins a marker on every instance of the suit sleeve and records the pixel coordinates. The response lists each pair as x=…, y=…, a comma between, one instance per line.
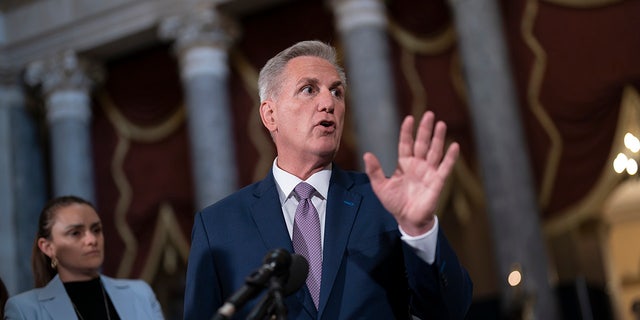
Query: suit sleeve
x=202, y=293
x=442, y=290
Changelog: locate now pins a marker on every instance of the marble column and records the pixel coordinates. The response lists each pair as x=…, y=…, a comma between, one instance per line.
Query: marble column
x=66, y=82
x=202, y=38
x=512, y=206
x=22, y=183
x=362, y=25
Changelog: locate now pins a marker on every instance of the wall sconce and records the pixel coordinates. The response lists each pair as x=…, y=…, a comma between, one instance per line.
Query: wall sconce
x=626, y=161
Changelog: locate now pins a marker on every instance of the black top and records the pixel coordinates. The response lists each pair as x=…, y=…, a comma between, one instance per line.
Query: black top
x=89, y=298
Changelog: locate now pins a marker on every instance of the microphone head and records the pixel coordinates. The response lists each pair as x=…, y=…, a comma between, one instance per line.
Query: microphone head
x=279, y=260
x=298, y=272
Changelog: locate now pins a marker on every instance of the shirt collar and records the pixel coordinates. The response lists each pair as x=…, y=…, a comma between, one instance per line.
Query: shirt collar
x=287, y=182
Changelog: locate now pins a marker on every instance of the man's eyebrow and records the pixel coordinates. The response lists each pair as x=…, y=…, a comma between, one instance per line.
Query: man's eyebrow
x=335, y=84
x=308, y=80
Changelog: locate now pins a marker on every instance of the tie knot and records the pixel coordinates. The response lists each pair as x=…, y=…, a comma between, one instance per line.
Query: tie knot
x=304, y=190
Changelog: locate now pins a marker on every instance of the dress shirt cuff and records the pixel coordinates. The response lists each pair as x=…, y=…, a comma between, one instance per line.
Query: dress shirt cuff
x=423, y=245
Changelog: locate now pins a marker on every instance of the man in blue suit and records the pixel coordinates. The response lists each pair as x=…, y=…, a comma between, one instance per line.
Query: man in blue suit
x=383, y=255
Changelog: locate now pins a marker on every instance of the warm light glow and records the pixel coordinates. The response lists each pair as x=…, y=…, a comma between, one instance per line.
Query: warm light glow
x=514, y=278
x=631, y=142
x=620, y=163
x=632, y=166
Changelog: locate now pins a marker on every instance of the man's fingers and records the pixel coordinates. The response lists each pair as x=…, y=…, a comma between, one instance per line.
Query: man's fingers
x=437, y=144
x=449, y=160
x=405, y=143
x=373, y=169
x=423, y=136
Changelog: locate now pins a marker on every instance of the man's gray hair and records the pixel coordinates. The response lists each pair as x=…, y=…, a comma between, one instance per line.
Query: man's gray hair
x=269, y=77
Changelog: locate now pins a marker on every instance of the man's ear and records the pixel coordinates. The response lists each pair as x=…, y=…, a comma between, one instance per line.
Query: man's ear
x=268, y=115
x=46, y=247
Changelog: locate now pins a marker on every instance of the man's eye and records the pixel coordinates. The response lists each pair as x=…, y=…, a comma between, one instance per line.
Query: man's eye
x=307, y=90
x=336, y=92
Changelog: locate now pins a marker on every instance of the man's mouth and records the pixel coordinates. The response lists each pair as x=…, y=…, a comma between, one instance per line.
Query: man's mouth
x=326, y=124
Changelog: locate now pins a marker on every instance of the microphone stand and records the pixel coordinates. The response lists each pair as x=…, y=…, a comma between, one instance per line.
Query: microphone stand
x=271, y=306
x=275, y=289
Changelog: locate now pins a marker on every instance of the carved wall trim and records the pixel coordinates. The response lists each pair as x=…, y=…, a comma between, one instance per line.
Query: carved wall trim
x=536, y=79
x=126, y=132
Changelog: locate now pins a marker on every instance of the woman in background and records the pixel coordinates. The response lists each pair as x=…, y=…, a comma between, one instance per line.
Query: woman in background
x=67, y=255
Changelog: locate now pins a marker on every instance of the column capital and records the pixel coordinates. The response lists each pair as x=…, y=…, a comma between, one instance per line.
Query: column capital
x=11, y=94
x=9, y=76
x=351, y=14
x=63, y=71
x=202, y=25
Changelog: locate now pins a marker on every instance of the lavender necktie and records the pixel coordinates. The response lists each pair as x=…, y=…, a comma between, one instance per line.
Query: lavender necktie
x=306, y=238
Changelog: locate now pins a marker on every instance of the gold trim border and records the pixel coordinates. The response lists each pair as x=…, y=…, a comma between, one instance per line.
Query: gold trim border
x=432, y=45
x=533, y=97
x=255, y=131
x=584, y=4
x=127, y=131
x=167, y=231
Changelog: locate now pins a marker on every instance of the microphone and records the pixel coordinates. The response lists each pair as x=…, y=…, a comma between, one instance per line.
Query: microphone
x=298, y=272
x=286, y=284
x=275, y=263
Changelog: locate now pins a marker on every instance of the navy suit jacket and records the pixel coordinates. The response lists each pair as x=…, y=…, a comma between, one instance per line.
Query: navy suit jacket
x=368, y=272
x=133, y=299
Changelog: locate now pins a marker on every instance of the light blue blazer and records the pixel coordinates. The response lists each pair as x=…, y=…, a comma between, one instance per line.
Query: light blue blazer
x=133, y=299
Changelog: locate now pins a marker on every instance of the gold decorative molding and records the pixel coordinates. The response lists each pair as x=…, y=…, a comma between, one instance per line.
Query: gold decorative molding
x=167, y=234
x=469, y=194
x=592, y=204
x=433, y=45
x=136, y=132
x=583, y=4
x=122, y=206
x=457, y=80
x=255, y=129
x=417, y=88
x=533, y=98
x=127, y=131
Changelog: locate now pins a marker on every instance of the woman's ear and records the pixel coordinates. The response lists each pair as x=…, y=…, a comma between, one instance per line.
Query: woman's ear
x=46, y=247
x=268, y=115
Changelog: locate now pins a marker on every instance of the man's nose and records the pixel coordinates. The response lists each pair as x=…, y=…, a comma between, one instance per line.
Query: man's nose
x=326, y=102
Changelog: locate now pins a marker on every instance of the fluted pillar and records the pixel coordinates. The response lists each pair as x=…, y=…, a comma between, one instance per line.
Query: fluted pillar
x=362, y=25
x=513, y=209
x=66, y=83
x=22, y=183
x=202, y=39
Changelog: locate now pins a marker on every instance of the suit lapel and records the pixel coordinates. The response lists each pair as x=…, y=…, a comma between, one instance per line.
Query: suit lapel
x=266, y=212
x=342, y=208
x=55, y=300
x=114, y=289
